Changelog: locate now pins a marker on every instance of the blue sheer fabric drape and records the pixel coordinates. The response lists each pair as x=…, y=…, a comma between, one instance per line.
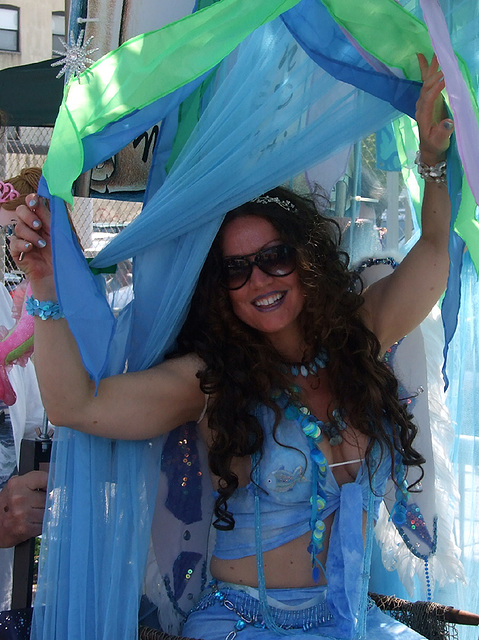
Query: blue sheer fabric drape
x=252, y=136
x=463, y=403
x=272, y=113
x=463, y=362
x=92, y=562
x=463, y=357
x=334, y=53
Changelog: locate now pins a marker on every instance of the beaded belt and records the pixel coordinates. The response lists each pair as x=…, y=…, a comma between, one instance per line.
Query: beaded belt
x=250, y=610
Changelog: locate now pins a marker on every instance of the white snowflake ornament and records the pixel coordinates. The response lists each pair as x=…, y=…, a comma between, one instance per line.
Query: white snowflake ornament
x=76, y=56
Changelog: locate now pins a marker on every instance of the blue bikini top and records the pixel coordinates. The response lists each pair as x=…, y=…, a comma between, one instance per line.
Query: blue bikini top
x=285, y=476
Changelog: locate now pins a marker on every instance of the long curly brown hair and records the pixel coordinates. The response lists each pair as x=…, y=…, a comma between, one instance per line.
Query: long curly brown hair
x=242, y=367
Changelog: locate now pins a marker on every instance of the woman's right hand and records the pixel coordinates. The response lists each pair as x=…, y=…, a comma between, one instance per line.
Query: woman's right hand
x=30, y=246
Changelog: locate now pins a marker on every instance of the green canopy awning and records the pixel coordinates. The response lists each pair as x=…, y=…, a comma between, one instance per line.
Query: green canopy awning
x=31, y=94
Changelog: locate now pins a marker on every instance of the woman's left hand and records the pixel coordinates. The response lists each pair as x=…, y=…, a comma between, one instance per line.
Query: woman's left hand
x=435, y=127
x=396, y=304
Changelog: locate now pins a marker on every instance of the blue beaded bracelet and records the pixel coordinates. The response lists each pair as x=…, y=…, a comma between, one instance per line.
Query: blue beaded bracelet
x=43, y=310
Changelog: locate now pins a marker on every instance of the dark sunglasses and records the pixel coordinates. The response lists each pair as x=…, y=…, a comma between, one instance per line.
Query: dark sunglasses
x=275, y=261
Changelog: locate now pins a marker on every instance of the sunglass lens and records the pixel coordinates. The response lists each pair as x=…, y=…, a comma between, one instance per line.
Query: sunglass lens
x=277, y=261
x=237, y=271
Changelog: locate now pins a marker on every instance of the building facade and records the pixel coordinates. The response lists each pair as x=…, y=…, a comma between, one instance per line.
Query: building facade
x=30, y=31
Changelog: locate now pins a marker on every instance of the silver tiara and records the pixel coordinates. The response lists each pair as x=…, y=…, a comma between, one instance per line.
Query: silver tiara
x=285, y=204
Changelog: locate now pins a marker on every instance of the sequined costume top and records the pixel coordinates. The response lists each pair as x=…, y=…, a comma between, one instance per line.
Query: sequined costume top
x=285, y=476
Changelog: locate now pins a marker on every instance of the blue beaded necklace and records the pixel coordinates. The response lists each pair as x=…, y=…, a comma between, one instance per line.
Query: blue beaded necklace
x=314, y=430
x=313, y=427
x=309, y=368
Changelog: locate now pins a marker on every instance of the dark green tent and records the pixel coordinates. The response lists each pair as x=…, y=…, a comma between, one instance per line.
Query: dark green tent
x=30, y=95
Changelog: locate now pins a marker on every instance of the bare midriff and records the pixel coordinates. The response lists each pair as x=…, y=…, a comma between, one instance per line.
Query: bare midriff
x=286, y=566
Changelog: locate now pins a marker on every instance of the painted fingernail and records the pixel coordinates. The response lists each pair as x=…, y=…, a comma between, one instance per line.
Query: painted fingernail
x=27, y=245
x=447, y=124
x=36, y=224
x=32, y=202
x=41, y=243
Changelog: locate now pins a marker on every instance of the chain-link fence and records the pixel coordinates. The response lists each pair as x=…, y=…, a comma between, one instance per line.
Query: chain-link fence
x=96, y=220
x=20, y=147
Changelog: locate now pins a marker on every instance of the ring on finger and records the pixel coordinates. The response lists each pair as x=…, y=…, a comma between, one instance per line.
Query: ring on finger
x=27, y=246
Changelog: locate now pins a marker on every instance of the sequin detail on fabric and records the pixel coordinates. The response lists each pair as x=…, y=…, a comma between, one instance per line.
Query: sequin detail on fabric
x=183, y=569
x=180, y=462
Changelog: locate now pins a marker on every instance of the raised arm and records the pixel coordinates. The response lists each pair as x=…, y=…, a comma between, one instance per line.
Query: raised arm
x=129, y=406
x=398, y=303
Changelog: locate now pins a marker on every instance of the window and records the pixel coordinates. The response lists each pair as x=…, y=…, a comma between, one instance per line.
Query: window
x=9, y=20
x=58, y=31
